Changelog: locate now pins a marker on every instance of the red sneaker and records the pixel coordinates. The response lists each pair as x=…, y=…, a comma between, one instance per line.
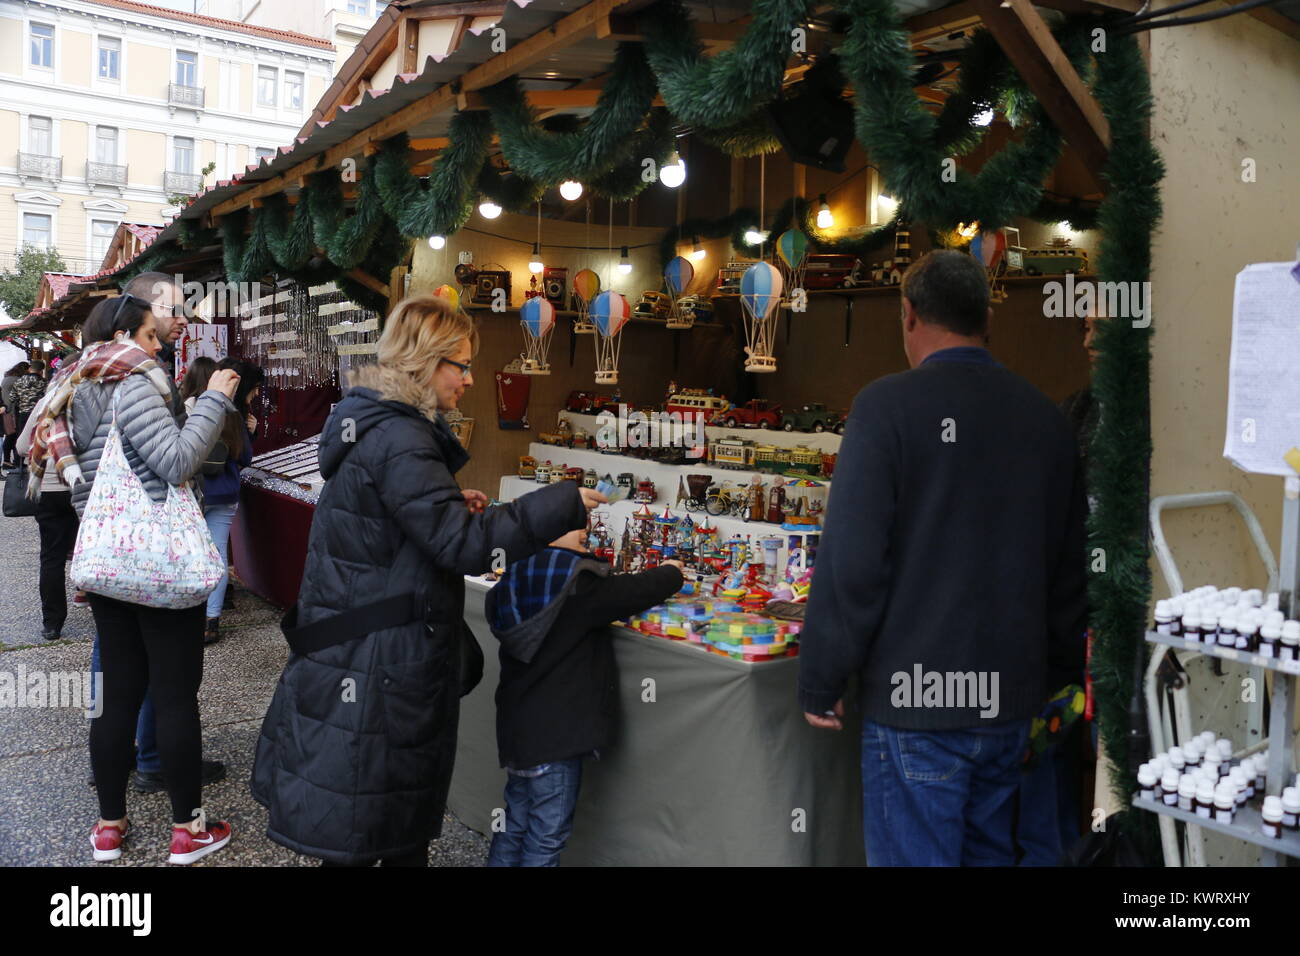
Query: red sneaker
x=190, y=847
x=107, y=842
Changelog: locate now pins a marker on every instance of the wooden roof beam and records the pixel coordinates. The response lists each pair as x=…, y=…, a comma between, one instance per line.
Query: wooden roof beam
x=1028, y=42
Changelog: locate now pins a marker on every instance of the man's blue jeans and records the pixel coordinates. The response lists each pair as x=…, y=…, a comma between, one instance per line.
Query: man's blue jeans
x=147, y=758
x=539, y=816
x=940, y=798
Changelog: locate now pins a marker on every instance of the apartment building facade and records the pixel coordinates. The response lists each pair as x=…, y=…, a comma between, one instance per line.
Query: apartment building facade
x=110, y=107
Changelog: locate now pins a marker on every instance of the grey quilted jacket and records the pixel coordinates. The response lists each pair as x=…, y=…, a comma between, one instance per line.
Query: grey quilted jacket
x=158, y=450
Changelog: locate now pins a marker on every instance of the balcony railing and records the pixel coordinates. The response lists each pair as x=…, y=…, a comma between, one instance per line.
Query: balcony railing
x=36, y=166
x=190, y=96
x=74, y=264
x=187, y=183
x=105, y=174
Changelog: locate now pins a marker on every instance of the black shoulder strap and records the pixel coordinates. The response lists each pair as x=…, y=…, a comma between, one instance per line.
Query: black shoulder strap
x=358, y=622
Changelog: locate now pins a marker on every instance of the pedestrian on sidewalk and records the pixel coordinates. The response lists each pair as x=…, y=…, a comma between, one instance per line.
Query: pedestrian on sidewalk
x=11, y=410
x=142, y=648
x=359, y=772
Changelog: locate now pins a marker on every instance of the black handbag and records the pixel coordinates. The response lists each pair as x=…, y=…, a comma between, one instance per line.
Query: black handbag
x=215, y=462
x=16, y=502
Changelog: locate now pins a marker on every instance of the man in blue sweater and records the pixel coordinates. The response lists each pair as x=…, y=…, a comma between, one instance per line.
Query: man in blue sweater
x=951, y=579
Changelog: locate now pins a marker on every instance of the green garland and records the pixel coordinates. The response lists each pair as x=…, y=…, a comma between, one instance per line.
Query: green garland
x=605, y=140
x=1120, y=458
x=718, y=91
x=446, y=203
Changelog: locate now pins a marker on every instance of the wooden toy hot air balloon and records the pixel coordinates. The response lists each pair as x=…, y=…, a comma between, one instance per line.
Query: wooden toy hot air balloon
x=791, y=249
x=677, y=277
x=990, y=249
x=586, y=286
x=610, y=312
x=760, y=294
x=537, y=317
x=449, y=293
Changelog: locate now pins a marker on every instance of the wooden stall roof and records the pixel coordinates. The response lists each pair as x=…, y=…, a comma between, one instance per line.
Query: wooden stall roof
x=562, y=49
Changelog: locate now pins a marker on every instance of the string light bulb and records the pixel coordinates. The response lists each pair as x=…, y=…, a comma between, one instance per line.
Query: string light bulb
x=673, y=173
x=754, y=237
x=984, y=117
x=570, y=189
x=535, y=264
x=437, y=242
x=697, y=250
x=624, y=262
x=886, y=202
x=824, y=218
x=488, y=209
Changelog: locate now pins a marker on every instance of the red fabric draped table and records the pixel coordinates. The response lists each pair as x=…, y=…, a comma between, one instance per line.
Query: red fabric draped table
x=268, y=542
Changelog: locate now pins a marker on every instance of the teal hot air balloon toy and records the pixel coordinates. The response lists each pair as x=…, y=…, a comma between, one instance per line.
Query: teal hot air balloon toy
x=792, y=254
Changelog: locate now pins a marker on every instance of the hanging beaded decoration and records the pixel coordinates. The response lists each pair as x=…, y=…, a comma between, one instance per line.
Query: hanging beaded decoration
x=351, y=332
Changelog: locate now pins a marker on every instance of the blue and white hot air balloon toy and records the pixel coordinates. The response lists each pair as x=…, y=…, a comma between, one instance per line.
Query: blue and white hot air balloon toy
x=760, y=294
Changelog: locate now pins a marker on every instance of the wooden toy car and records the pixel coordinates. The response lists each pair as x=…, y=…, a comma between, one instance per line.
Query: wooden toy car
x=757, y=412
x=805, y=461
x=575, y=473
x=645, y=492
x=590, y=478
x=696, y=306
x=653, y=305
x=731, y=453
x=692, y=403
x=542, y=472
x=563, y=434
x=828, y=270
x=813, y=417
x=585, y=403
x=527, y=466
x=771, y=458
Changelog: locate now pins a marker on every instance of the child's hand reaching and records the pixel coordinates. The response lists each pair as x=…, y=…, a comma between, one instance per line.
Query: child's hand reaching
x=676, y=564
x=475, y=501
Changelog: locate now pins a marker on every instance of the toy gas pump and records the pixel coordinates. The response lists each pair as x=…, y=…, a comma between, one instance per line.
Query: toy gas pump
x=776, y=503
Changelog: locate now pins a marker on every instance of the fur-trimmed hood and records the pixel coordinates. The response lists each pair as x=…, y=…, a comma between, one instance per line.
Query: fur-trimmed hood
x=377, y=398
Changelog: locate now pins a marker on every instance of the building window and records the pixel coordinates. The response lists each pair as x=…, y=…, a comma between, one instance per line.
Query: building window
x=37, y=230
x=106, y=145
x=110, y=58
x=380, y=7
x=361, y=7
x=187, y=68
x=101, y=235
x=42, y=37
x=182, y=155
x=266, y=80
x=292, y=90
x=40, y=135
x=262, y=153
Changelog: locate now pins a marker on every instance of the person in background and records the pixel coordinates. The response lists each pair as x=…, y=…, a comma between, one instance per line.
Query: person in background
x=118, y=385
x=11, y=411
x=356, y=778
x=221, y=484
x=958, y=550
x=27, y=391
x=99, y=327
x=164, y=294
x=557, y=702
x=56, y=519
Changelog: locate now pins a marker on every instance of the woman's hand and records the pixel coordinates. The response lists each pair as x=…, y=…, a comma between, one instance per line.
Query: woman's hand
x=475, y=501
x=591, y=498
x=225, y=381
x=250, y=422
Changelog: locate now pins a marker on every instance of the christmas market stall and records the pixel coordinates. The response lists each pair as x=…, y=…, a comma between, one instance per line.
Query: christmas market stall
x=681, y=227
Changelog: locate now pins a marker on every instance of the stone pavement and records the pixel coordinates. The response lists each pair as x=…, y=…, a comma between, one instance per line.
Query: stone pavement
x=46, y=806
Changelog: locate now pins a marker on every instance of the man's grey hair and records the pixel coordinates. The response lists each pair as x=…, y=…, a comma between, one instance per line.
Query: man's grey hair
x=950, y=289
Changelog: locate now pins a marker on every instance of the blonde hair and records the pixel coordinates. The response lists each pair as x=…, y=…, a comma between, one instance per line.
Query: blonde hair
x=419, y=332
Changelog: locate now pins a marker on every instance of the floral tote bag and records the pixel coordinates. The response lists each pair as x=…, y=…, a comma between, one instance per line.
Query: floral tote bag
x=135, y=550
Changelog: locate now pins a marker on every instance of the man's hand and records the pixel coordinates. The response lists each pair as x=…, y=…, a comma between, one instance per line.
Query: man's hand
x=827, y=722
x=475, y=501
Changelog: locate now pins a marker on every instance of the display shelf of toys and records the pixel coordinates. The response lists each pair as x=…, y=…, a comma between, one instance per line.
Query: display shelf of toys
x=768, y=542
x=720, y=626
x=827, y=442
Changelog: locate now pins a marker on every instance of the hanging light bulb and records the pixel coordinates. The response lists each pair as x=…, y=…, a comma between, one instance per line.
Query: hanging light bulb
x=697, y=250
x=535, y=264
x=624, y=263
x=754, y=237
x=570, y=189
x=886, y=202
x=488, y=209
x=824, y=218
x=437, y=242
x=983, y=118
x=673, y=173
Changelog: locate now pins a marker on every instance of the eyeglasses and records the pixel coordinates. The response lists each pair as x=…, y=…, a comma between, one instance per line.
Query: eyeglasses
x=463, y=366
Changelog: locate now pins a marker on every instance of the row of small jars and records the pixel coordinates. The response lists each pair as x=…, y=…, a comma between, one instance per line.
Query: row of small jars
x=1232, y=618
x=1198, y=777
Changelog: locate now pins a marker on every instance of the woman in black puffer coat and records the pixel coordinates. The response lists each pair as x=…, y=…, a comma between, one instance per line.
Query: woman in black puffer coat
x=355, y=755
